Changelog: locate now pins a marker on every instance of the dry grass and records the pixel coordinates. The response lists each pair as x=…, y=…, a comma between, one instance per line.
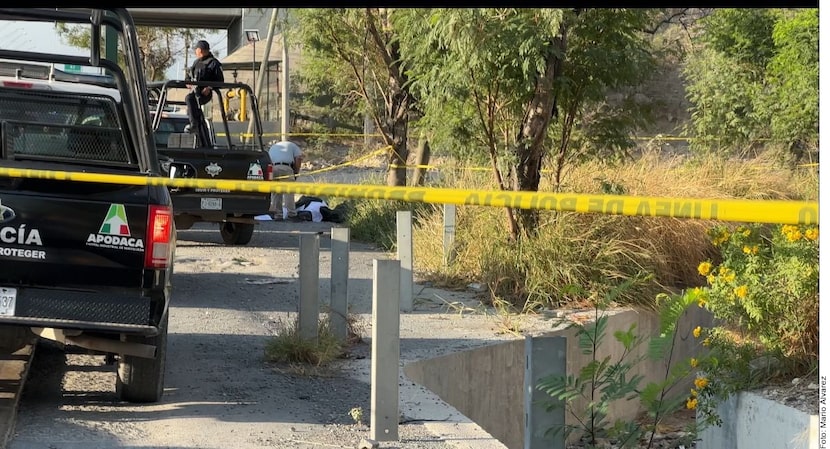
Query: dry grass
x=294, y=354
x=576, y=253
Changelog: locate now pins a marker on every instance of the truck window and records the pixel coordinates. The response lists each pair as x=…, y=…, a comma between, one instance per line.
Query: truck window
x=58, y=126
x=169, y=125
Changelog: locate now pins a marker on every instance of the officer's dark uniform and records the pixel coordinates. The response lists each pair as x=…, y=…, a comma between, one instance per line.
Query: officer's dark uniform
x=206, y=68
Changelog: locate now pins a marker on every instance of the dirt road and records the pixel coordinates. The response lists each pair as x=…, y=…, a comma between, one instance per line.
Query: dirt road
x=219, y=392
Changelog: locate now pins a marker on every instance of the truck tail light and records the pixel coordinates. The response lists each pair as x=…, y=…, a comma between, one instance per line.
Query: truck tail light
x=269, y=172
x=17, y=84
x=159, y=233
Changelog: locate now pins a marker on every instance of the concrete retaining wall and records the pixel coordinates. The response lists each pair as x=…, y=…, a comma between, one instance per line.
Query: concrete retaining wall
x=751, y=421
x=485, y=384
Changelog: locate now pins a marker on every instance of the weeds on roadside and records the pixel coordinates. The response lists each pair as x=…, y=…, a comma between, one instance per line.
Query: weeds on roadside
x=581, y=249
x=376, y=220
x=305, y=356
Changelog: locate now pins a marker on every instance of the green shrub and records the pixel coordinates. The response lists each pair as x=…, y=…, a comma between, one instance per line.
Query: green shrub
x=767, y=286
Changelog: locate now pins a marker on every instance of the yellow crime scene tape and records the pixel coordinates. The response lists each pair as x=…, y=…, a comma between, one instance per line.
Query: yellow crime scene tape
x=757, y=211
x=339, y=166
x=245, y=135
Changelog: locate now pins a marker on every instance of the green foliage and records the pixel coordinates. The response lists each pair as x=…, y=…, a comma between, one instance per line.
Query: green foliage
x=755, y=78
x=288, y=346
x=765, y=273
x=334, y=46
x=473, y=70
x=743, y=35
x=357, y=52
x=764, y=294
x=724, y=96
x=571, y=249
x=604, y=381
x=793, y=76
x=476, y=71
x=607, y=52
x=375, y=221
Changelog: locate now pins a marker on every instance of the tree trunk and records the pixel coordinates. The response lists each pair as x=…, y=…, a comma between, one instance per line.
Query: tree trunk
x=398, y=125
x=398, y=101
x=529, y=147
x=421, y=160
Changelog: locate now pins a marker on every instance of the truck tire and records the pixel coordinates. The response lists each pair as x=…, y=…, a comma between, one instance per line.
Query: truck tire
x=184, y=221
x=236, y=233
x=140, y=379
x=13, y=338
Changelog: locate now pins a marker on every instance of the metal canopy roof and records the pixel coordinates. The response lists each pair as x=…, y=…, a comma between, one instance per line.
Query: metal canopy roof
x=212, y=18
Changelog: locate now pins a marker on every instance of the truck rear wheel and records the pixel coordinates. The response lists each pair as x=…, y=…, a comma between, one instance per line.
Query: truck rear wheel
x=236, y=233
x=13, y=338
x=140, y=379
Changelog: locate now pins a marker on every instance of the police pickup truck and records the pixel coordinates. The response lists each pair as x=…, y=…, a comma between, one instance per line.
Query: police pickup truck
x=87, y=264
x=223, y=158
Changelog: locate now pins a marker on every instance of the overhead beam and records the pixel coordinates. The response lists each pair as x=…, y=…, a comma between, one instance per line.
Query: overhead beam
x=210, y=18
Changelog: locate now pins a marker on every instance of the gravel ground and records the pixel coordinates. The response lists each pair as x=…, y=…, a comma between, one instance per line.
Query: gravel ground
x=220, y=393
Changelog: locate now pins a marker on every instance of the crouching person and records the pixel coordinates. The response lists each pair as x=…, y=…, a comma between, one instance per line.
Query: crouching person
x=286, y=158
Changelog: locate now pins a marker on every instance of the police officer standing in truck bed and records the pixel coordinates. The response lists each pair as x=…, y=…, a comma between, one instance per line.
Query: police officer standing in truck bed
x=205, y=68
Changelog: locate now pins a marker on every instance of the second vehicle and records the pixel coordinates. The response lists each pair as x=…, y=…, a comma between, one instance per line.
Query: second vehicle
x=238, y=158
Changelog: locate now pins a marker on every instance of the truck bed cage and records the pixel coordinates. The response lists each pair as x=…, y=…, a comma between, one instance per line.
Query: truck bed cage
x=133, y=88
x=162, y=87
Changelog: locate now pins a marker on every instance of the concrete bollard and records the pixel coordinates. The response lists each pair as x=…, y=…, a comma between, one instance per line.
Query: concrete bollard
x=339, y=311
x=544, y=356
x=404, y=222
x=386, y=350
x=309, y=286
x=449, y=234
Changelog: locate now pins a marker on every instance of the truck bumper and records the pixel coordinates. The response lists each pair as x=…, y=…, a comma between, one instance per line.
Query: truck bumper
x=205, y=204
x=107, y=311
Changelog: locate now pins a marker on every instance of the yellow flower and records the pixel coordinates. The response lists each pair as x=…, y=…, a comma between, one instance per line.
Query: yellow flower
x=811, y=234
x=694, y=364
x=706, y=342
x=793, y=236
x=787, y=229
x=741, y=291
x=722, y=270
x=701, y=301
x=722, y=237
x=750, y=249
x=704, y=268
x=746, y=232
x=701, y=383
x=691, y=403
x=729, y=276
x=710, y=279
x=694, y=393
x=696, y=332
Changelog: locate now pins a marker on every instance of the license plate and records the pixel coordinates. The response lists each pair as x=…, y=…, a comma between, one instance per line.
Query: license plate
x=212, y=203
x=8, y=298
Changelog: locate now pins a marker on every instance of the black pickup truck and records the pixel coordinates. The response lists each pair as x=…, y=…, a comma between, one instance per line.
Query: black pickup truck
x=226, y=158
x=84, y=264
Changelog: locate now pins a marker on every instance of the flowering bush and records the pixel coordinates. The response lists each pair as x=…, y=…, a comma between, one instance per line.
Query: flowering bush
x=764, y=297
x=767, y=287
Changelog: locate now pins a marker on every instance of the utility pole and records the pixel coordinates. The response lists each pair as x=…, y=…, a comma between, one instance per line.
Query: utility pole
x=284, y=114
x=264, y=64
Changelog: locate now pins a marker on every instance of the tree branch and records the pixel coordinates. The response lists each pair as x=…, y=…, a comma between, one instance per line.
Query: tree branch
x=361, y=82
x=381, y=45
x=666, y=20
